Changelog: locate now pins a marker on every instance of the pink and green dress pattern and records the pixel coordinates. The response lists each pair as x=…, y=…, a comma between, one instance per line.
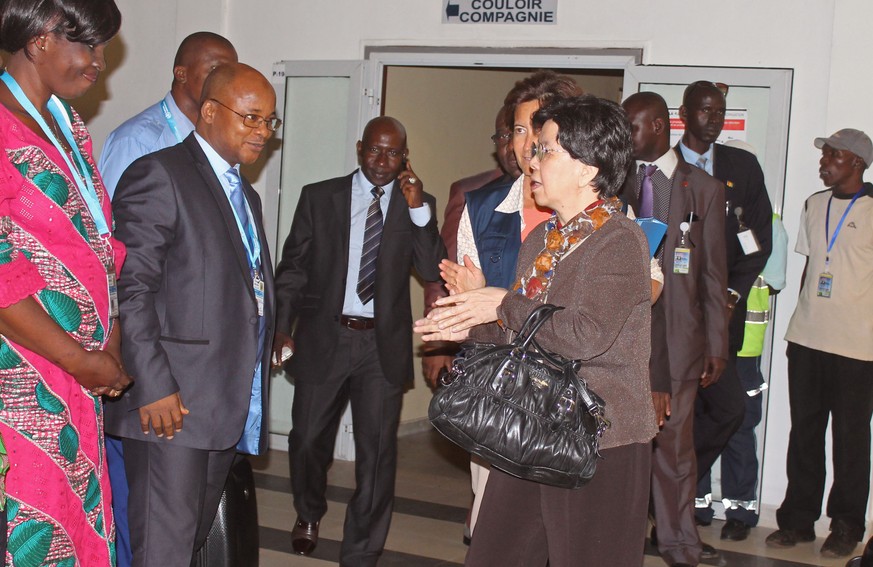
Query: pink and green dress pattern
x=58, y=498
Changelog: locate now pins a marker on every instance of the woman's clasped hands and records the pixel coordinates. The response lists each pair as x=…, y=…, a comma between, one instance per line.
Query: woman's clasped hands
x=470, y=303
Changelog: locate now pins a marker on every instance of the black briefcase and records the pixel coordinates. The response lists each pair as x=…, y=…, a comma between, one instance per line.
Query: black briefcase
x=233, y=538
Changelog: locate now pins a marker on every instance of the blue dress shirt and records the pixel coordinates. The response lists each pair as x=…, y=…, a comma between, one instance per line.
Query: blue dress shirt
x=691, y=156
x=248, y=443
x=147, y=132
x=361, y=198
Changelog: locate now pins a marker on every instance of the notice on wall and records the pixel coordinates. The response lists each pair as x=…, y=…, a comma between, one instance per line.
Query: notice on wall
x=735, y=120
x=500, y=12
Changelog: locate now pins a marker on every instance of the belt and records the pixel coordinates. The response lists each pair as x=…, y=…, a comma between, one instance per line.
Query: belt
x=357, y=323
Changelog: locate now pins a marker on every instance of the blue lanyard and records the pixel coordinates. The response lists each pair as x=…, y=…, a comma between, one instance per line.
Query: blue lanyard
x=831, y=240
x=83, y=181
x=171, y=122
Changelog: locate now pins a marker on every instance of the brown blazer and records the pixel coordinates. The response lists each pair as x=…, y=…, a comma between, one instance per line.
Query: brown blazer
x=690, y=319
x=604, y=287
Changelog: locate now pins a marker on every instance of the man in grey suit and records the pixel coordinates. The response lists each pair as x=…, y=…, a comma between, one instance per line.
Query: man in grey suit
x=344, y=281
x=197, y=298
x=689, y=322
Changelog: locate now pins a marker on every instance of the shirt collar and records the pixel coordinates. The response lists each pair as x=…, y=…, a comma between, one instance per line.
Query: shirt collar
x=666, y=163
x=691, y=156
x=184, y=125
x=514, y=200
x=218, y=164
x=364, y=185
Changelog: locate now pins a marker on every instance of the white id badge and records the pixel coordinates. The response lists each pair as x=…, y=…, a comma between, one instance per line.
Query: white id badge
x=112, y=285
x=825, y=284
x=749, y=241
x=681, y=260
x=258, y=286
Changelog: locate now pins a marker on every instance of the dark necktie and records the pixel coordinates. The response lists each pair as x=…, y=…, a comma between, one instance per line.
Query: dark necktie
x=237, y=199
x=647, y=191
x=370, y=250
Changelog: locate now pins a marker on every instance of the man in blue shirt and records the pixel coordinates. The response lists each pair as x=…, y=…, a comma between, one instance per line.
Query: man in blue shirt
x=196, y=298
x=161, y=125
x=169, y=121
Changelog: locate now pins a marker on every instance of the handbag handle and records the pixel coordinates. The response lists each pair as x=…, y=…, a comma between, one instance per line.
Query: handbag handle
x=532, y=324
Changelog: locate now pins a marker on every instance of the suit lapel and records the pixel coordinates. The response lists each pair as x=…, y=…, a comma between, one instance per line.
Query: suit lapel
x=220, y=199
x=342, y=205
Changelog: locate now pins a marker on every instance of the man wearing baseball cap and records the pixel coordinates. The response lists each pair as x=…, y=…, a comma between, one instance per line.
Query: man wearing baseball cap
x=830, y=354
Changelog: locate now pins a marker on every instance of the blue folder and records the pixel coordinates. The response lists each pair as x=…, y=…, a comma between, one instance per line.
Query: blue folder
x=654, y=231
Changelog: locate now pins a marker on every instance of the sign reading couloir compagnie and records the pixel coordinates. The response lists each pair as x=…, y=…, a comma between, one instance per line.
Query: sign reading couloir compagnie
x=500, y=12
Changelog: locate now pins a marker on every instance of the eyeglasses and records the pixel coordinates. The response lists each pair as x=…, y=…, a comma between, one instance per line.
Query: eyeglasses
x=541, y=152
x=501, y=137
x=254, y=120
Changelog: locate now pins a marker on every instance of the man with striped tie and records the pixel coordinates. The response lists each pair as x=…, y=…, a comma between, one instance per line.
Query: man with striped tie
x=342, y=285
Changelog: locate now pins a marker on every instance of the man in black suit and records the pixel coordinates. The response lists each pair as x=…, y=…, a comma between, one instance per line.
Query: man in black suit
x=689, y=322
x=196, y=297
x=344, y=281
x=748, y=235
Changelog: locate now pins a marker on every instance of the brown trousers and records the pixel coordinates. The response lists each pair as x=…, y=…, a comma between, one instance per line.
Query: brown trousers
x=527, y=524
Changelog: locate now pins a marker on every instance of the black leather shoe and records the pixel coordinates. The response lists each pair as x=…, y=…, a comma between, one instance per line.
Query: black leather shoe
x=304, y=537
x=839, y=544
x=735, y=530
x=708, y=552
x=789, y=538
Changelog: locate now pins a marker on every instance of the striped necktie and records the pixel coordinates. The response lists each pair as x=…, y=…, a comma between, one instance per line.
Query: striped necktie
x=370, y=250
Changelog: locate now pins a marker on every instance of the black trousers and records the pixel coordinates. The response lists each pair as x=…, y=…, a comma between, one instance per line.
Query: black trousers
x=821, y=385
x=739, y=460
x=527, y=524
x=718, y=413
x=317, y=409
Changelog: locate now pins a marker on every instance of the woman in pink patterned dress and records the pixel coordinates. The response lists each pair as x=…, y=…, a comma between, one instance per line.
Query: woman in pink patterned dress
x=59, y=337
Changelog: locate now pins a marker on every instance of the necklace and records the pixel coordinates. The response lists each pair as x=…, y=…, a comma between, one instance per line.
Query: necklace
x=59, y=135
x=558, y=241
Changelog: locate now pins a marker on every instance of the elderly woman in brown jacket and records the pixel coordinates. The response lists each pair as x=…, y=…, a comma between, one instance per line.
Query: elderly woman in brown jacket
x=592, y=260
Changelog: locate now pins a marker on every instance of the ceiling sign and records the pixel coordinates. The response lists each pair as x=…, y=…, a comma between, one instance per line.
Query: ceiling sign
x=500, y=12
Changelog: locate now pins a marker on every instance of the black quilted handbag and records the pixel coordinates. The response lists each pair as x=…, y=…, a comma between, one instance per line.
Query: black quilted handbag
x=522, y=409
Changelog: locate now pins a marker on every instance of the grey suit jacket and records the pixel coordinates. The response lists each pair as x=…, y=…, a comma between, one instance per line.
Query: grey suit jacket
x=689, y=321
x=311, y=278
x=189, y=318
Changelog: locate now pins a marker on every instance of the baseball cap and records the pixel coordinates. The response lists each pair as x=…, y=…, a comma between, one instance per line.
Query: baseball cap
x=851, y=140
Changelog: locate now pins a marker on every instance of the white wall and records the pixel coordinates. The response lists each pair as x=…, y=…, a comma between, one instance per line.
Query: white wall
x=821, y=40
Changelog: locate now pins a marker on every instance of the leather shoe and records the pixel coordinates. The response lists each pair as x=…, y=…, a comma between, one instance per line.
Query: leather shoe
x=304, y=537
x=708, y=552
x=735, y=530
x=838, y=544
x=781, y=539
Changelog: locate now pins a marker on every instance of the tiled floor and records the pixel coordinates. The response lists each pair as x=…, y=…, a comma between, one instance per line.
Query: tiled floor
x=432, y=499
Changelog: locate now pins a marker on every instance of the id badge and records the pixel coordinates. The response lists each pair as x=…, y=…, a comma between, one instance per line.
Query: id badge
x=681, y=260
x=258, y=286
x=825, y=284
x=749, y=241
x=112, y=286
